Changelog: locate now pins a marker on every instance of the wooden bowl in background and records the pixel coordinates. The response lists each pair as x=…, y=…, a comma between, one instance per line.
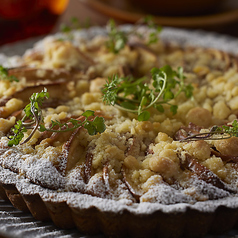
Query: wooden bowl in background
x=178, y=7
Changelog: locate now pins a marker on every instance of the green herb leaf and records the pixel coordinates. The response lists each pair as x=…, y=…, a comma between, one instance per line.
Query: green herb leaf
x=168, y=95
x=155, y=30
x=95, y=126
x=5, y=76
x=88, y=113
x=128, y=105
x=144, y=116
x=75, y=24
x=136, y=96
x=118, y=38
x=159, y=107
x=188, y=90
x=231, y=130
x=110, y=89
x=33, y=115
x=64, y=28
x=18, y=131
x=173, y=109
x=99, y=123
x=90, y=128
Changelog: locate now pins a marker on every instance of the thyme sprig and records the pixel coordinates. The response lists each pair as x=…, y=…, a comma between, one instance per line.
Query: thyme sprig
x=118, y=38
x=4, y=75
x=33, y=119
x=137, y=96
x=216, y=133
x=154, y=29
x=75, y=24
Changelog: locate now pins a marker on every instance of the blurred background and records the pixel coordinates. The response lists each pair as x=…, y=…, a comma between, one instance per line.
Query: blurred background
x=22, y=19
x=212, y=15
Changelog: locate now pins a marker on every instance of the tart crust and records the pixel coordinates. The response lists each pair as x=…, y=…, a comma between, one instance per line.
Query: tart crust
x=93, y=215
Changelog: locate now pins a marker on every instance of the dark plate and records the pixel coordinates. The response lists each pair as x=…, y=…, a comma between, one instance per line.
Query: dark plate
x=122, y=10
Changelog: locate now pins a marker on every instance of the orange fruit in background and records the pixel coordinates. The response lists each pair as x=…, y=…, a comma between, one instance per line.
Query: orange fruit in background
x=21, y=19
x=16, y=9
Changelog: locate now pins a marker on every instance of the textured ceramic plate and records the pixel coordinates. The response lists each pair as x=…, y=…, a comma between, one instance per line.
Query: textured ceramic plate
x=182, y=36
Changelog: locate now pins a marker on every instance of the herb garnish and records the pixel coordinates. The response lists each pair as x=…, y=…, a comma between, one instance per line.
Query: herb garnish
x=118, y=38
x=216, y=133
x=33, y=119
x=5, y=76
x=155, y=29
x=137, y=96
x=75, y=24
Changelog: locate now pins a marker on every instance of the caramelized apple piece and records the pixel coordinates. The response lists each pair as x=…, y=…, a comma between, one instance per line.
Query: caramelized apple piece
x=115, y=188
x=135, y=191
x=35, y=75
x=203, y=173
x=102, y=114
x=134, y=147
x=54, y=136
x=57, y=91
x=226, y=158
x=73, y=150
x=125, y=70
x=3, y=101
x=184, y=132
x=59, y=137
x=85, y=60
x=106, y=177
x=88, y=165
x=16, y=114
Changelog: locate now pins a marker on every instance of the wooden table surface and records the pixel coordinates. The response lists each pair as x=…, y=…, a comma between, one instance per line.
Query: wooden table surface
x=79, y=10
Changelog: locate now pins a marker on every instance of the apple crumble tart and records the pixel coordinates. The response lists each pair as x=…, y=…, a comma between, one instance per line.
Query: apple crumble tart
x=121, y=136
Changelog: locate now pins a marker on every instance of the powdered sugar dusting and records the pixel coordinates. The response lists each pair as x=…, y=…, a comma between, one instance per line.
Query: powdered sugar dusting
x=38, y=170
x=43, y=172
x=75, y=181
x=205, y=190
x=166, y=195
x=85, y=201
x=181, y=37
x=7, y=176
